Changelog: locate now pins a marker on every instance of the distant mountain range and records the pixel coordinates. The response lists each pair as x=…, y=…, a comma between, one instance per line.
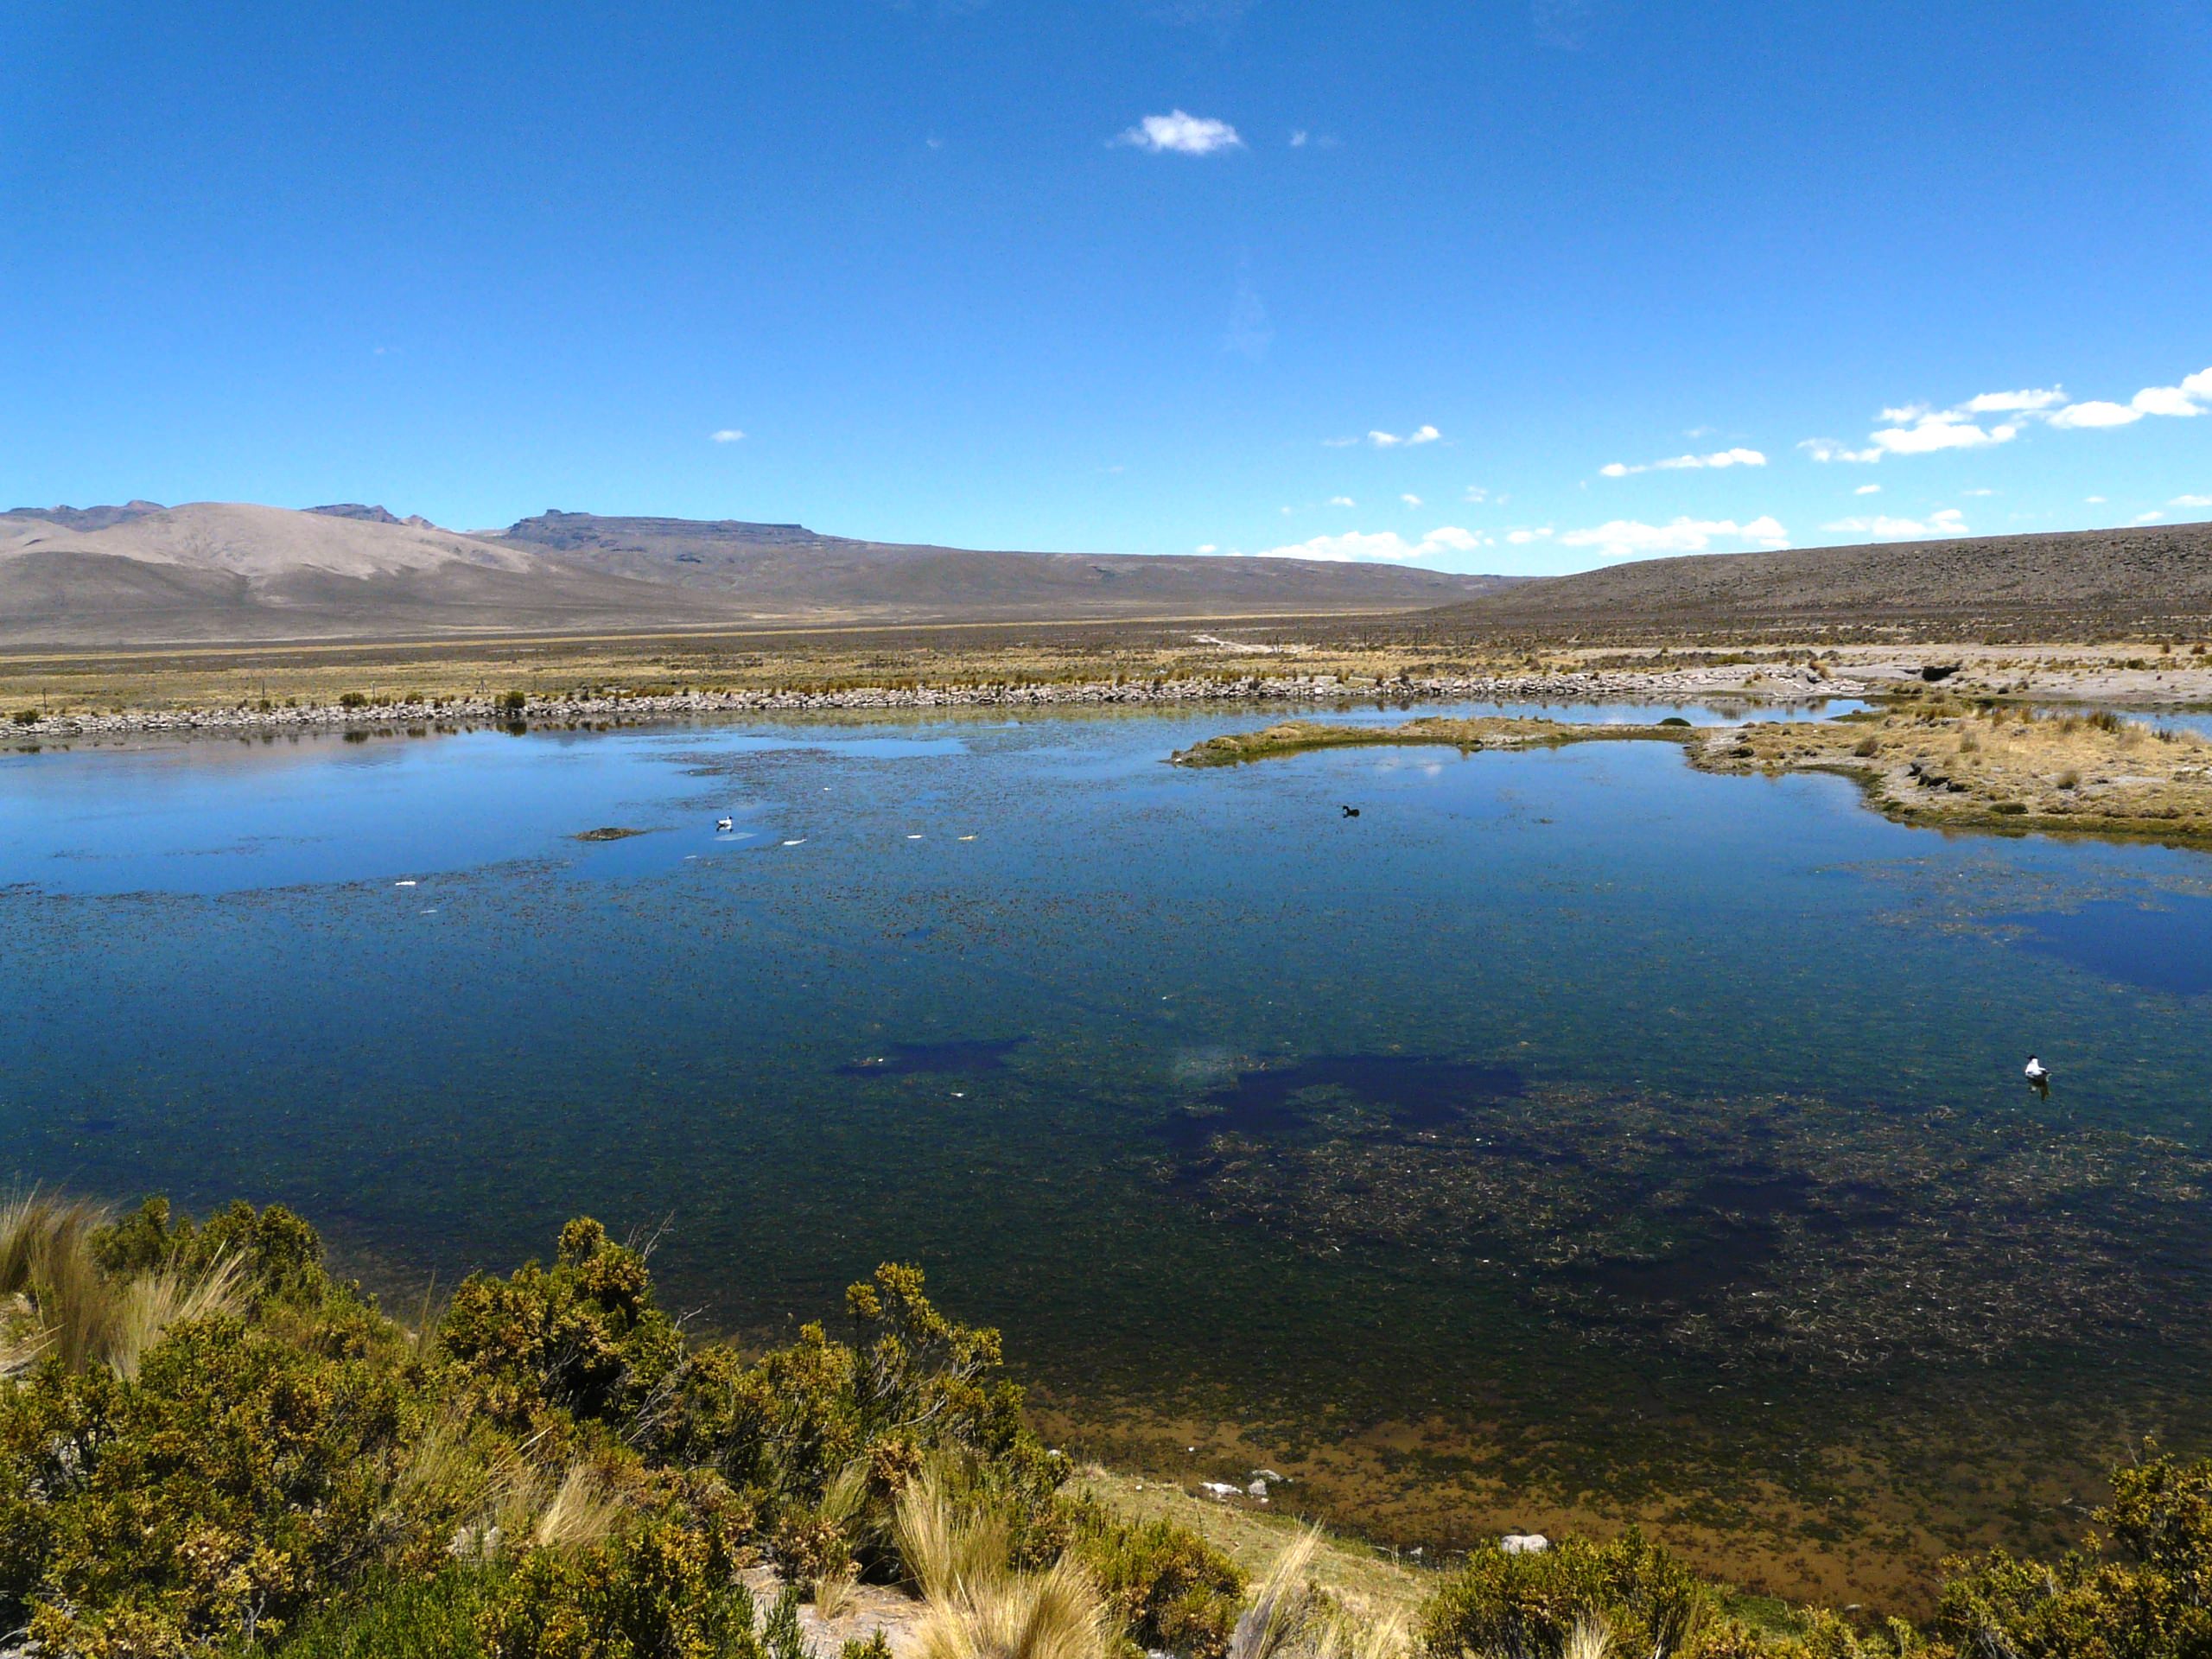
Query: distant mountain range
x=213, y=573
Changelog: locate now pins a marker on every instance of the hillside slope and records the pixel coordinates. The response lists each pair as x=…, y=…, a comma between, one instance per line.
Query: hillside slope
x=783, y=569
x=2083, y=584
x=214, y=573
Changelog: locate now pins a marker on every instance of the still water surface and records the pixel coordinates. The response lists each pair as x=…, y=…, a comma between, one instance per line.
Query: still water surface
x=1569, y=1136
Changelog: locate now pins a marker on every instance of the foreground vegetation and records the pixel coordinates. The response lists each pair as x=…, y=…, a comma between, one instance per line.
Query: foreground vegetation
x=208, y=1444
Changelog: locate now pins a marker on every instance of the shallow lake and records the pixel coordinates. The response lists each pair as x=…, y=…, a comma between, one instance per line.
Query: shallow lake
x=1569, y=1137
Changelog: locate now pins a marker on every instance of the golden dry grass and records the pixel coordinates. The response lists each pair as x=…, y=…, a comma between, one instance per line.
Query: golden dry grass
x=2001, y=768
x=63, y=1307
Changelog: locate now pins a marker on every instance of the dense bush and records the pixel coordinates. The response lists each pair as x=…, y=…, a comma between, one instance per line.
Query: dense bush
x=549, y=1469
x=1528, y=1606
x=1167, y=1586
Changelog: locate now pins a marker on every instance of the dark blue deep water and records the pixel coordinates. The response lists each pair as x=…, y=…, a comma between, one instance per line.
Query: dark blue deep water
x=1570, y=1135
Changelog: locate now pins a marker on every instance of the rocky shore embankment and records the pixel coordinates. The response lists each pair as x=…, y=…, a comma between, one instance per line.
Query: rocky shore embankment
x=1767, y=685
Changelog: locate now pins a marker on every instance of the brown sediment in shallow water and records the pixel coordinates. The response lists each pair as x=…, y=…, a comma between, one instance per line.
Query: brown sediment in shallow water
x=1940, y=766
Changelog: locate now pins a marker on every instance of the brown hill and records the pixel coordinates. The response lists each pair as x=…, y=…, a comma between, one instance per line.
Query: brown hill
x=788, y=569
x=2074, y=585
x=213, y=573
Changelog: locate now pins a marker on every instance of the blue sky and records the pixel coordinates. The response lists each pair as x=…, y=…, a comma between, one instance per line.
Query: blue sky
x=1398, y=280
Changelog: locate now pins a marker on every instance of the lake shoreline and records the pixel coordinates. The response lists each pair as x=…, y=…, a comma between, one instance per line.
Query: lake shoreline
x=1688, y=685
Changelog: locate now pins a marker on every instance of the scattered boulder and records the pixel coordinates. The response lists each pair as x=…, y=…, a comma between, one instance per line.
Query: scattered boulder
x=1524, y=1543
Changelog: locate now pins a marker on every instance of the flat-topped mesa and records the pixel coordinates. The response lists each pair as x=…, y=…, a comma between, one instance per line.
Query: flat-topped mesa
x=1998, y=768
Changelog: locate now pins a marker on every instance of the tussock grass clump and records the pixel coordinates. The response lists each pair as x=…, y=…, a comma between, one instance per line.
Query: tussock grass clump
x=69, y=1309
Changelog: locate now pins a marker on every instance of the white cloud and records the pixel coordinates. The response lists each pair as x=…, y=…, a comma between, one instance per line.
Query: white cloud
x=1342, y=501
x=1391, y=439
x=2190, y=501
x=1628, y=538
x=1298, y=139
x=2093, y=500
x=1181, y=134
x=2148, y=518
x=1921, y=432
x=1829, y=449
x=1522, y=537
x=1868, y=489
x=2165, y=400
x=1476, y=495
x=729, y=435
x=1384, y=547
x=2011, y=403
x=1338, y=443
x=1739, y=457
x=1410, y=500
x=1883, y=528
x=1922, y=428
x=2095, y=413
x=1208, y=547
x=1977, y=491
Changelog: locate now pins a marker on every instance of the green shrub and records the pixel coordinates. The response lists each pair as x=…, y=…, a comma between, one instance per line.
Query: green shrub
x=514, y=702
x=583, y=1336
x=403, y=1617
x=226, y=1488
x=1530, y=1604
x=26, y=716
x=2148, y=1594
x=352, y=700
x=1166, y=1586
x=668, y=1593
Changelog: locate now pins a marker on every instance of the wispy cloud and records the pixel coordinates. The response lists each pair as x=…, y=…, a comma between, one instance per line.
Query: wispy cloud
x=1686, y=463
x=1868, y=489
x=728, y=435
x=1629, y=538
x=2190, y=501
x=1392, y=440
x=2148, y=518
x=1883, y=527
x=1181, y=133
x=1410, y=500
x=1385, y=547
x=1342, y=501
x=1208, y=547
x=1476, y=494
x=1250, y=332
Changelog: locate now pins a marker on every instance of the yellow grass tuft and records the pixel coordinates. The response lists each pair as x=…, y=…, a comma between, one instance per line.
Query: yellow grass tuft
x=1056, y=1614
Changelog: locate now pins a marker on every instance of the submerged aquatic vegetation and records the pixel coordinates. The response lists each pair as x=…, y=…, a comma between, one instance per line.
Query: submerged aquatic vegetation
x=1792, y=1230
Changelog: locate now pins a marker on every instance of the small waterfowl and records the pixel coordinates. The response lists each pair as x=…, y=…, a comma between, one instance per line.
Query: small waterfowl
x=2039, y=1074
x=722, y=824
x=1351, y=812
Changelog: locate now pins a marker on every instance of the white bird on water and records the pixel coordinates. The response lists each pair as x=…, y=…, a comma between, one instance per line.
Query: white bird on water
x=2038, y=1074
x=722, y=824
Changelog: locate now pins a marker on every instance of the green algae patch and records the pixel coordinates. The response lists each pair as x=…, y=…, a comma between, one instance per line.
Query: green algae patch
x=609, y=832
x=1488, y=731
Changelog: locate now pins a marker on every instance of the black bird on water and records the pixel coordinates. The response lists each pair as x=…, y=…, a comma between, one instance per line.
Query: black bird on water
x=1351, y=812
